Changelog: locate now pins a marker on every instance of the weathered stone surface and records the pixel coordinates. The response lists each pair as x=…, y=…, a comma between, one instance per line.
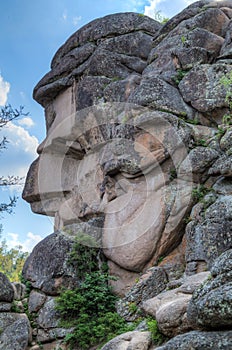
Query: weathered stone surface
x=166, y=58
x=174, y=262
x=5, y=306
x=132, y=44
x=50, y=334
x=200, y=158
x=48, y=317
x=170, y=307
x=155, y=93
x=149, y=285
x=200, y=341
x=213, y=19
x=209, y=232
x=226, y=140
x=130, y=341
x=15, y=331
x=223, y=166
x=90, y=90
x=54, y=345
x=209, y=93
x=113, y=65
x=119, y=91
x=19, y=290
x=105, y=47
x=124, y=279
x=125, y=232
x=121, y=23
x=223, y=186
x=6, y=289
x=36, y=301
x=46, y=268
x=226, y=49
x=210, y=306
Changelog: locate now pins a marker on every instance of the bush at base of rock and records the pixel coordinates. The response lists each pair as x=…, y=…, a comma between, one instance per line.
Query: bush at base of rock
x=90, y=310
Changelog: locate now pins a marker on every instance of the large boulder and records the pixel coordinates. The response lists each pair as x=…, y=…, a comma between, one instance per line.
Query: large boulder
x=6, y=289
x=148, y=286
x=15, y=331
x=169, y=308
x=196, y=340
x=209, y=232
x=130, y=341
x=47, y=268
x=211, y=304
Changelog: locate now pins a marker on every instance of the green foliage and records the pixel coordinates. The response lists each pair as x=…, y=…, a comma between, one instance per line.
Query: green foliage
x=159, y=17
x=200, y=142
x=180, y=74
x=188, y=219
x=172, y=174
x=183, y=39
x=114, y=79
x=157, y=337
x=84, y=255
x=90, y=309
x=199, y=193
x=220, y=132
x=161, y=258
x=194, y=121
x=227, y=119
x=15, y=307
x=11, y=261
x=133, y=308
x=226, y=81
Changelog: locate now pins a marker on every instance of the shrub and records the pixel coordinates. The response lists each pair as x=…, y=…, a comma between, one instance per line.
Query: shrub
x=157, y=337
x=90, y=308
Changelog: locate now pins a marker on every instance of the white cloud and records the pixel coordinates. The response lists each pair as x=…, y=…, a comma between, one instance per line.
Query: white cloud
x=13, y=241
x=27, y=122
x=76, y=20
x=188, y=2
x=19, y=154
x=4, y=90
x=151, y=9
x=64, y=15
x=20, y=139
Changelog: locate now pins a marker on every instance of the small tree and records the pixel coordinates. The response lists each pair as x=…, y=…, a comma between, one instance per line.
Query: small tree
x=7, y=114
x=11, y=260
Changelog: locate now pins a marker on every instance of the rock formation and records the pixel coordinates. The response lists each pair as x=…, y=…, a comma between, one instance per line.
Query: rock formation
x=138, y=156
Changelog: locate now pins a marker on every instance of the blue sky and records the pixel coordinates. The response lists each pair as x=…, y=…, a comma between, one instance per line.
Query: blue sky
x=31, y=32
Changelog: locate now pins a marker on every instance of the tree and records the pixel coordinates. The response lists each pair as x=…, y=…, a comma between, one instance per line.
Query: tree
x=7, y=114
x=11, y=260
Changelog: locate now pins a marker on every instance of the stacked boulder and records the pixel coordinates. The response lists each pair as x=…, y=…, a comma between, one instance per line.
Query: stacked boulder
x=15, y=328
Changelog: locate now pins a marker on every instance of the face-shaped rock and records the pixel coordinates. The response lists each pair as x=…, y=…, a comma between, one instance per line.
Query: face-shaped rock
x=116, y=149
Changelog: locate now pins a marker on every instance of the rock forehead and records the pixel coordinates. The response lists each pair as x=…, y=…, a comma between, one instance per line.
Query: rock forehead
x=86, y=49
x=108, y=26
